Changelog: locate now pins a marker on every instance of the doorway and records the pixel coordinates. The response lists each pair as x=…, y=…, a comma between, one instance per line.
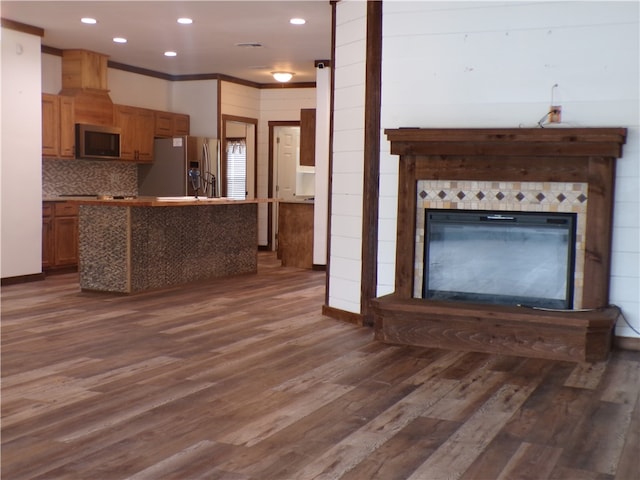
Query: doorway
x=284, y=152
x=239, y=137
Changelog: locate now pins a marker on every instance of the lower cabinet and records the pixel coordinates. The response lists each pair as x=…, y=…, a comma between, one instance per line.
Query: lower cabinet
x=59, y=236
x=295, y=234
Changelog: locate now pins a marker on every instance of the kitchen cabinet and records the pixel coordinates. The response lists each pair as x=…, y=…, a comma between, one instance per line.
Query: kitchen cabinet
x=169, y=124
x=295, y=234
x=47, y=235
x=181, y=124
x=58, y=136
x=137, y=130
x=59, y=236
x=308, y=137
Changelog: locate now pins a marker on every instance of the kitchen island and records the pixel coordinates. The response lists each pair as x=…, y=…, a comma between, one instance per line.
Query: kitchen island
x=129, y=245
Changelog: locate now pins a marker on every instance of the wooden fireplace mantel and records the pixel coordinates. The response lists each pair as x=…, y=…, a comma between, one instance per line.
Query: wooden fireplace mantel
x=572, y=155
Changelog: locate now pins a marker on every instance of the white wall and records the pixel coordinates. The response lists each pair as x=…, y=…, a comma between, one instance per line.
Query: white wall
x=51, y=74
x=21, y=155
x=128, y=88
x=479, y=64
x=348, y=153
x=199, y=99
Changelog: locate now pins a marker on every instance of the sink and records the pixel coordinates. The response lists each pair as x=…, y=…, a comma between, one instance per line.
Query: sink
x=189, y=199
x=179, y=199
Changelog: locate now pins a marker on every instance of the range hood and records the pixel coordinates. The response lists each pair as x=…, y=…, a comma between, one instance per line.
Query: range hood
x=84, y=77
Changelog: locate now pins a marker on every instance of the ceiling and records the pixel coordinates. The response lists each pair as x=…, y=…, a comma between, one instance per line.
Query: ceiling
x=208, y=46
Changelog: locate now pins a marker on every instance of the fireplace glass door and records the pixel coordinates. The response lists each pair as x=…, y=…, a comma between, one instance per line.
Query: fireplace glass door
x=507, y=258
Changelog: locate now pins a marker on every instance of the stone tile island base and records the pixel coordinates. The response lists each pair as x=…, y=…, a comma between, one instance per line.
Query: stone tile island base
x=130, y=249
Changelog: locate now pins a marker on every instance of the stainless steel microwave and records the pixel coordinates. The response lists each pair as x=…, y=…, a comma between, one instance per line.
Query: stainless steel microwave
x=97, y=142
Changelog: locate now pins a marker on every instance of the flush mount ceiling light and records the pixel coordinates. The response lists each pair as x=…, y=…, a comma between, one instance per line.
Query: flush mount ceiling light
x=282, y=76
x=185, y=21
x=119, y=40
x=170, y=54
x=89, y=20
x=297, y=21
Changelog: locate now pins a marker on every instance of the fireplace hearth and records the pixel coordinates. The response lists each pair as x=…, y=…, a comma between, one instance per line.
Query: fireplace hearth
x=579, y=328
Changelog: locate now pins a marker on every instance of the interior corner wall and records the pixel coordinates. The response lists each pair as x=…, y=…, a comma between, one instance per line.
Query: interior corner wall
x=495, y=64
x=129, y=88
x=347, y=175
x=199, y=99
x=20, y=154
x=51, y=73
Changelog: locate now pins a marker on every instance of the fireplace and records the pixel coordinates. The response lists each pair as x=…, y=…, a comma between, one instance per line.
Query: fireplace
x=567, y=172
x=499, y=257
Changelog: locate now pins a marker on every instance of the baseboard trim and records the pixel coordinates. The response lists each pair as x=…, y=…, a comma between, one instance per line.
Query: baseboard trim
x=343, y=315
x=627, y=343
x=319, y=268
x=34, y=277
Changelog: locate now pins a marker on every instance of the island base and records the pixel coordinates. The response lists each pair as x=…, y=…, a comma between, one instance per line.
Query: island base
x=127, y=249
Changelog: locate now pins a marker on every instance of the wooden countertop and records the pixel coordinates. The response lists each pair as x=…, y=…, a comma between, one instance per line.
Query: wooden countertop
x=158, y=201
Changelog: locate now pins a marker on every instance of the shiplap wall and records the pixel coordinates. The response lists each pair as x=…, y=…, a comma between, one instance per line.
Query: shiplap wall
x=348, y=152
x=493, y=64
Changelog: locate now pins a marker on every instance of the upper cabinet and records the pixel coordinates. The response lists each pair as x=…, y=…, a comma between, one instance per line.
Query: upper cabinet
x=308, y=137
x=137, y=131
x=169, y=124
x=58, y=137
x=84, y=99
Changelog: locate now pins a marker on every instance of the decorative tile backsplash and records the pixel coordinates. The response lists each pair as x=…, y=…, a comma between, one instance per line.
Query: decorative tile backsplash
x=88, y=177
x=506, y=196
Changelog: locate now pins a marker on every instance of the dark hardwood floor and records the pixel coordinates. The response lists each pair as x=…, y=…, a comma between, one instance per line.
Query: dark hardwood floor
x=244, y=379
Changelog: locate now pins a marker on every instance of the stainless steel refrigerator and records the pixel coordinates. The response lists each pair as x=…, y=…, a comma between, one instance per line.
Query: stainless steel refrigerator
x=180, y=165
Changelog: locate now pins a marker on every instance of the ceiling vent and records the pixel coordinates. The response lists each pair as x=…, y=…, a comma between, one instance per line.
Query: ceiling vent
x=249, y=45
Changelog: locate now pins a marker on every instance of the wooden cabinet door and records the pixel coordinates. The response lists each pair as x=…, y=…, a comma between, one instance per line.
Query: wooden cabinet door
x=67, y=128
x=47, y=235
x=50, y=125
x=169, y=124
x=136, y=132
x=65, y=231
x=295, y=234
x=163, y=124
x=66, y=241
x=144, y=138
x=308, y=137
x=181, y=124
x=125, y=118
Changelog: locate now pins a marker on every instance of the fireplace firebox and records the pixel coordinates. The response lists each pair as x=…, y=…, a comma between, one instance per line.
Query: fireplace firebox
x=500, y=257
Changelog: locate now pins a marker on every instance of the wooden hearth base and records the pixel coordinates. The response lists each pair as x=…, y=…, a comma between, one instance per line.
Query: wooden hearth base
x=558, y=335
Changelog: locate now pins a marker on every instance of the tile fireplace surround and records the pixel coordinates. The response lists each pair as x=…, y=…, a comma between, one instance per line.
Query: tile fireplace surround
x=552, y=169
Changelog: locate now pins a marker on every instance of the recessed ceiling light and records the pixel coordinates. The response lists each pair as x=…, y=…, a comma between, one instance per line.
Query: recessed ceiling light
x=89, y=20
x=185, y=21
x=297, y=21
x=170, y=54
x=119, y=40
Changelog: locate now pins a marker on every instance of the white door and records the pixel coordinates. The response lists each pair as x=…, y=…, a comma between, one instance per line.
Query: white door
x=287, y=147
x=286, y=153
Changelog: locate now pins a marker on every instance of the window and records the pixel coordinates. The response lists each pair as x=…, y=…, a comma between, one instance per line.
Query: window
x=236, y=168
